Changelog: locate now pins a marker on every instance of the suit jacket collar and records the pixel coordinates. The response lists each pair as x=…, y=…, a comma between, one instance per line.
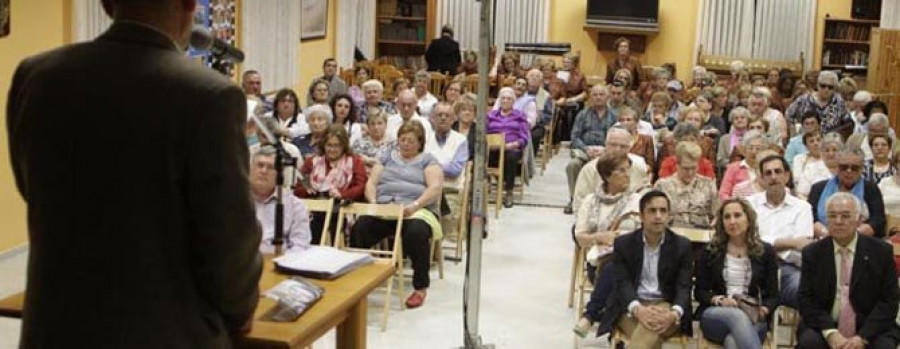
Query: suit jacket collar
x=138, y=33
x=666, y=248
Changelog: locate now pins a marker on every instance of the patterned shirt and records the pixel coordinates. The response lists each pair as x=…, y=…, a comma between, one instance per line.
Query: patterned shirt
x=875, y=177
x=590, y=129
x=693, y=205
x=365, y=146
x=834, y=114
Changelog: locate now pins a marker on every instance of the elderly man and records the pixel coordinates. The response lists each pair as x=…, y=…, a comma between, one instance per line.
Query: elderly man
x=426, y=100
x=291, y=174
x=849, y=179
x=450, y=148
x=810, y=123
x=848, y=287
x=618, y=139
x=336, y=85
x=784, y=221
x=406, y=106
x=296, y=217
x=251, y=83
x=878, y=124
x=652, y=267
x=544, y=104
x=760, y=99
x=588, y=136
x=831, y=107
x=373, y=92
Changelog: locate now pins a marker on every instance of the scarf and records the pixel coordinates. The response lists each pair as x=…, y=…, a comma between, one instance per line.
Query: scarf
x=831, y=187
x=323, y=180
x=619, y=201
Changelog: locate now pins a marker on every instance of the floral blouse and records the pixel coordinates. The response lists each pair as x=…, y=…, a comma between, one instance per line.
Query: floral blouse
x=366, y=147
x=693, y=205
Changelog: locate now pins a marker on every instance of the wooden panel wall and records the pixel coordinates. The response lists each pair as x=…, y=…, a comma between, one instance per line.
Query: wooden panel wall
x=884, y=71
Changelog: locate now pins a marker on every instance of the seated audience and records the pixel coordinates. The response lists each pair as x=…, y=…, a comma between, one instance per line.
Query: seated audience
x=251, y=83
x=810, y=167
x=728, y=149
x=618, y=140
x=336, y=174
x=662, y=113
x=594, y=224
x=465, y=123
x=469, y=64
x=373, y=91
x=450, y=148
x=713, y=125
x=588, y=135
x=336, y=85
x=544, y=104
x=425, y=100
x=453, y=91
x=755, y=185
x=685, y=132
x=848, y=286
x=652, y=298
x=693, y=197
x=290, y=173
x=760, y=100
x=784, y=221
x=880, y=165
x=796, y=146
x=373, y=146
x=406, y=107
x=739, y=171
x=832, y=109
x=624, y=60
x=287, y=111
x=878, y=124
x=643, y=144
x=721, y=108
x=319, y=118
x=849, y=179
x=514, y=127
x=318, y=93
x=345, y=113
x=362, y=74
x=414, y=179
x=736, y=266
x=296, y=218
x=890, y=191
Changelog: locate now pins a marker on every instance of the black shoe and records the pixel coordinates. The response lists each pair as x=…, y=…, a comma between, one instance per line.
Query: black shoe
x=568, y=209
x=508, y=201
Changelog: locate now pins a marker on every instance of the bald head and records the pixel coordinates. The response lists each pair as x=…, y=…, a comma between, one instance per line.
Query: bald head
x=406, y=103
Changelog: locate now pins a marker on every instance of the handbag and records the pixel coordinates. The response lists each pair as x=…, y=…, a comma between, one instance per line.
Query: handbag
x=749, y=306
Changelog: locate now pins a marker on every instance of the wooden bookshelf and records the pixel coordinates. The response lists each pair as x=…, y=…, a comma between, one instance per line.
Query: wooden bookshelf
x=846, y=44
x=403, y=29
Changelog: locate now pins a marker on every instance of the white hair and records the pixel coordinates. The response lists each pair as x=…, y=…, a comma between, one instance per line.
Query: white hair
x=738, y=110
x=878, y=119
x=620, y=129
x=862, y=97
x=320, y=109
x=507, y=90
x=762, y=92
x=737, y=65
x=373, y=84
x=699, y=70
x=828, y=75
x=751, y=136
x=860, y=210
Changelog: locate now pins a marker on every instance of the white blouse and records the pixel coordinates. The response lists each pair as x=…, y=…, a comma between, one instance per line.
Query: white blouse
x=807, y=172
x=737, y=275
x=890, y=192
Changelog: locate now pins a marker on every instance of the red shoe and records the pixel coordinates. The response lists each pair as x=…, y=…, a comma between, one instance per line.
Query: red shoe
x=415, y=300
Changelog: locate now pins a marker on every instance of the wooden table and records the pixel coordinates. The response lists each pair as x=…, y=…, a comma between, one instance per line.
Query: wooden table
x=695, y=235
x=343, y=305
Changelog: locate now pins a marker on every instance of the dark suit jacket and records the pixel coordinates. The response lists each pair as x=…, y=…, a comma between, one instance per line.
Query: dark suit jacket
x=443, y=55
x=763, y=279
x=133, y=162
x=674, y=273
x=873, y=287
x=874, y=202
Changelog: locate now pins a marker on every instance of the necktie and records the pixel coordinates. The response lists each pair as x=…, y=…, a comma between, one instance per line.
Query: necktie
x=847, y=318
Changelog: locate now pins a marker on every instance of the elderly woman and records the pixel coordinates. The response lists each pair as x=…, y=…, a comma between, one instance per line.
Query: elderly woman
x=880, y=166
x=374, y=92
x=426, y=100
x=593, y=228
x=318, y=92
x=685, y=132
x=729, y=142
x=890, y=190
x=663, y=111
x=810, y=167
x=739, y=171
x=469, y=64
x=720, y=106
x=345, y=113
x=465, y=123
x=319, y=117
x=624, y=60
x=287, y=112
x=698, y=74
x=831, y=107
x=736, y=266
x=513, y=124
x=693, y=198
x=413, y=179
x=453, y=91
x=643, y=144
x=694, y=116
x=373, y=146
x=362, y=74
x=337, y=174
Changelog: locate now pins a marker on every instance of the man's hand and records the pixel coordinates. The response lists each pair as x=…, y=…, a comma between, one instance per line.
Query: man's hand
x=854, y=343
x=820, y=230
x=866, y=229
x=836, y=340
x=512, y=145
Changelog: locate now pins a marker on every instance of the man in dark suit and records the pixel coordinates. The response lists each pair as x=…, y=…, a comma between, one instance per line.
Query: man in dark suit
x=652, y=269
x=443, y=54
x=848, y=289
x=133, y=163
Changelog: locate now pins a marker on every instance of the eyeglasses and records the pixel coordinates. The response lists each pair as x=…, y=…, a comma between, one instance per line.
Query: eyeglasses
x=776, y=171
x=262, y=166
x=851, y=168
x=826, y=86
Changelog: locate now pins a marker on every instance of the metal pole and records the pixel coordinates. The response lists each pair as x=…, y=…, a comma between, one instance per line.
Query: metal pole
x=472, y=339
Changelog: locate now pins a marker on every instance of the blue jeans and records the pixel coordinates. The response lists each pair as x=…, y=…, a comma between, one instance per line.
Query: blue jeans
x=732, y=328
x=790, y=285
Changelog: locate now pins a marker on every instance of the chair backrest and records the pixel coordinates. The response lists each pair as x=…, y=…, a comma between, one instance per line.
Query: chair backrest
x=629, y=221
x=379, y=71
x=388, y=211
x=326, y=206
x=436, y=86
x=471, y=83
x=508, y=82
x=389, y=78
x=349, y=76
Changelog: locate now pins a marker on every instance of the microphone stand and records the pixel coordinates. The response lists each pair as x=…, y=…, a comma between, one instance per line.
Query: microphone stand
x=221, y=64
x=282, y=160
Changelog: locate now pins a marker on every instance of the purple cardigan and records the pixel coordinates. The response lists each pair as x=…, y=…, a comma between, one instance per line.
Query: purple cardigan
x=515, y=126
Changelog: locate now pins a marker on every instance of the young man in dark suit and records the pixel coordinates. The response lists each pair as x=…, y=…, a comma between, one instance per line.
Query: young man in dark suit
x=652, y=267
x=133, y=162
x=848, y=289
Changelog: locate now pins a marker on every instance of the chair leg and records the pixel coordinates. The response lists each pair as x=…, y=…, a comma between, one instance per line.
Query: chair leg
x=572, y=276
x=387, y=303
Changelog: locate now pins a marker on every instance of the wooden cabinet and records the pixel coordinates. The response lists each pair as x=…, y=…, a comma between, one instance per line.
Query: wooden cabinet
x=403, y=30
x=845, y=46
x=884, y=71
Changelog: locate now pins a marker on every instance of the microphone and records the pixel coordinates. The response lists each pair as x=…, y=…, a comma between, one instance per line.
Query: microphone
x=202, y=39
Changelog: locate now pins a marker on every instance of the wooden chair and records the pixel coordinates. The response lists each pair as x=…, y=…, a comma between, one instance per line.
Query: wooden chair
x=703, y=343
x=436, y=85
x=395, y=254
x=631, y=220
x=496, y=141
x=508, y=82
x=471, y=83
x=349, y=76
x=326, y=206
x=462, y=218
x=787, y=317
x=390, y=78
x=379, y=71
x=617, y=337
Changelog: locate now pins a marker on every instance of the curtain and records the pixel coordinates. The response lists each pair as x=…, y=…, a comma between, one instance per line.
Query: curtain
x=464, y=16
x=271, y=38
x=890, y=14
x=88, y=20
x=355, y=29
x=760, y=29
x=514, y=21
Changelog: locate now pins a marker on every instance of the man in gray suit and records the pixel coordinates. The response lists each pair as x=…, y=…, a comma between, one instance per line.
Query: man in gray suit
x=133, y=163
